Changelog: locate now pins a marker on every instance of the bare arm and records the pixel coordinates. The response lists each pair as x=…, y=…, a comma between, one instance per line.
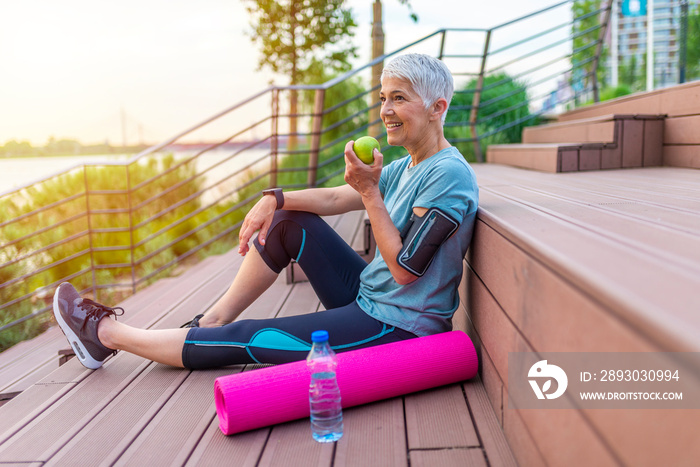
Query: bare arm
x=321, y=201
x=324, y=201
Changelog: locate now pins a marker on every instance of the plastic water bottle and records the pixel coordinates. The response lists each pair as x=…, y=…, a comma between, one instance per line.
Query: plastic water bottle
x=324, y=393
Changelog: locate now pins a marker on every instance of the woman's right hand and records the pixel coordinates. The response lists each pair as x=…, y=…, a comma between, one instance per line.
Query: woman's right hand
x=363, y=178
x=258, y=218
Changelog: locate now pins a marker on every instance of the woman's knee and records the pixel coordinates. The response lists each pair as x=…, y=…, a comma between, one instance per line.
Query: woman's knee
x=285, y=237
x=302, y=218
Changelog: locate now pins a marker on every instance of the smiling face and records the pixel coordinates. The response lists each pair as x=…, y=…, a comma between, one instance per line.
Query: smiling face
x=403, y=113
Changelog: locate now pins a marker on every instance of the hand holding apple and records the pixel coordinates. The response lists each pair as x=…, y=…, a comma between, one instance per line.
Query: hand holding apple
x=363, y=177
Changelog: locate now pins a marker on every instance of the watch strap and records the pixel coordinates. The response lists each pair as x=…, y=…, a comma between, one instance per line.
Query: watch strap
x=279, y=196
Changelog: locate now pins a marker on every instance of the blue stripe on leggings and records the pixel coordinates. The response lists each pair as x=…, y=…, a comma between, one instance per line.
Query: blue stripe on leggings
x=384, y=332
x=303, y=242
x=276, y=339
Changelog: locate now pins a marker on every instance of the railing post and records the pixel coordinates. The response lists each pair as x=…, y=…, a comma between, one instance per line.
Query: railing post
x=131, y=228
x=477, y=98
x=316, y=127
x=95, y=290
x=442, y=44
x=375, y=129
x=273, y=139
x=599, y=50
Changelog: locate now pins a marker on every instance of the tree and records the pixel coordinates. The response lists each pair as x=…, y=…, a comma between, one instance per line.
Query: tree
x=693, y=48
x=292, y=33
x=502, y=115
x=378, y=51
x=14, y=148
x=343, y=119
x=633, y=73
x=585, y=35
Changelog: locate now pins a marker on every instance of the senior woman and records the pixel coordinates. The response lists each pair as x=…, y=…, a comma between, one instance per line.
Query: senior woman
x=421, y=207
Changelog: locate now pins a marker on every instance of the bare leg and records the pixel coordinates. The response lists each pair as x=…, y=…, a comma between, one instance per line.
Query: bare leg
x=252, y=279
x=165, y=345
x=160, y=345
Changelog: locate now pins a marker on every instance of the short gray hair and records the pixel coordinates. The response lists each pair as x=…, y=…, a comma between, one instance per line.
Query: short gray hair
x=429, y=77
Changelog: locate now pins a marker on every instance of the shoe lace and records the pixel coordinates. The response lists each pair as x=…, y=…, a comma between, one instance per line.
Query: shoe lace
x=92, y=308
x=193, y=323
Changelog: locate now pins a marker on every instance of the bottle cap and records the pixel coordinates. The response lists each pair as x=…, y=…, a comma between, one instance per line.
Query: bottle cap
x=319, y=336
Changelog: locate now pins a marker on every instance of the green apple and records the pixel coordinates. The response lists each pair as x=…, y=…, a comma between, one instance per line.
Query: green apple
x=364, y=147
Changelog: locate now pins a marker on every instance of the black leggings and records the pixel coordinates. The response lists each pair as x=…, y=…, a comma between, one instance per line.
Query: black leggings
x=333, y=269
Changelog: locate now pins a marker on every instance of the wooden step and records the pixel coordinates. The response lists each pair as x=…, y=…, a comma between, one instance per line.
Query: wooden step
x=609, y=142
x=590, y=130
x=682, y=141
x=586, y=262
x=673, y=101
x=545, y=157
x=681, y=105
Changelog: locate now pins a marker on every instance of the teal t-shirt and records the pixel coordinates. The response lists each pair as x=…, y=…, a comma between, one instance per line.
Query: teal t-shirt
x=425, y=306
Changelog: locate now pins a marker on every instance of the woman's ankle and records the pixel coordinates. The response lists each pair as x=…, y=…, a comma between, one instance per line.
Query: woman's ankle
x=105, y=333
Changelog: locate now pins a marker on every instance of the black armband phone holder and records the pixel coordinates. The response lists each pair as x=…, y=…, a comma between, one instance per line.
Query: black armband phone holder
x=422, y=237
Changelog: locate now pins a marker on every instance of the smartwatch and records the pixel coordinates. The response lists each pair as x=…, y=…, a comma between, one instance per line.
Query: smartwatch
x=279, y=196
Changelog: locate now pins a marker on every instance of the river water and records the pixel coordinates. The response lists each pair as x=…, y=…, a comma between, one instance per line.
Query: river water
x=21, y=171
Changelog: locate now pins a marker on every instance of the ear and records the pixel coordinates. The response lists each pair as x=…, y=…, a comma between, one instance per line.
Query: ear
x=438, y=109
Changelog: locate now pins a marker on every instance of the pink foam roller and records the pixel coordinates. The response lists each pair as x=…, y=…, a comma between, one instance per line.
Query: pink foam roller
x=253, y=399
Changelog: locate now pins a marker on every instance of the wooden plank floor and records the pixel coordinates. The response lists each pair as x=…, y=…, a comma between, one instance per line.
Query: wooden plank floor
x=629, y=238
x=135, y=412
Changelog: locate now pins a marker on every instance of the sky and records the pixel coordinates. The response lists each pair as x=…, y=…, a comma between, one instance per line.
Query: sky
x=75, y=69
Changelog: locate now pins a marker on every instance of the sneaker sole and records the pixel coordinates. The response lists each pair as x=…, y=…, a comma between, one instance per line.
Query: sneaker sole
x=80, y=351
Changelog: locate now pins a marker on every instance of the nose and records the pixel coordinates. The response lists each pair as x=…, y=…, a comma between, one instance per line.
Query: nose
x=386, y=108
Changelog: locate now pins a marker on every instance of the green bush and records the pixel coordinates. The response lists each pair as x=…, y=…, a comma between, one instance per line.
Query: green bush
x=503, y=113
x=46, y=230
x=613, y=93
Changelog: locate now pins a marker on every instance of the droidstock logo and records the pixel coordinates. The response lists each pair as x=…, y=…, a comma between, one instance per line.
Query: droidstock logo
x=546, y=372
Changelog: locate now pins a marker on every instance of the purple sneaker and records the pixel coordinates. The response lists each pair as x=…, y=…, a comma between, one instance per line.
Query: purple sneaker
x=78, y=318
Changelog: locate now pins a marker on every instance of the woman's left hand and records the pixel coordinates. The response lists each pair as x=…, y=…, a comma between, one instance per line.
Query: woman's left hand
x=362, y=177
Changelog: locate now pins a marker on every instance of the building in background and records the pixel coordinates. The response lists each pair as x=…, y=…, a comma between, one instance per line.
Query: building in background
x=630, y=33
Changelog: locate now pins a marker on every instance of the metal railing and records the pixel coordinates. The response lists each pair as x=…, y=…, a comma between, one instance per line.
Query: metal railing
x=113, y=228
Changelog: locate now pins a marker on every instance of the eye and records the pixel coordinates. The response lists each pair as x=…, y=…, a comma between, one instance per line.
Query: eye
x=382, y=99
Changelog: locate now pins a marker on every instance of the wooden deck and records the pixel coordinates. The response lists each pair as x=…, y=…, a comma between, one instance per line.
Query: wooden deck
x=599, y=261
x=605, y=261
x=135, y=412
